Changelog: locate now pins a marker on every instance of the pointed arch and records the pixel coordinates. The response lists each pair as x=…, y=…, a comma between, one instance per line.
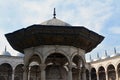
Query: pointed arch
x=77, y=63
x=6, y=71
x=76, y=53
x=93, y=74
x=35, y=53
x=55, y=51
x=55, y=66
x=34, y=58
x=18, y=72
x=111, y=72
x=101, y=73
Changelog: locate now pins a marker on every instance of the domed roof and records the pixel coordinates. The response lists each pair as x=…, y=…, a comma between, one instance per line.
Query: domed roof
x=55, y=22
x=5, y=53
x=114, y=54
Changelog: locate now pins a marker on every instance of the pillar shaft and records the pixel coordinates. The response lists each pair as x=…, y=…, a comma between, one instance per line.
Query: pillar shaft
x=70, y=72
x=25, y=74
x=83, y=74
x=13, y=75
x=106, y=75
x=116, y=74
x=29, y=73
x=97, y=75
x=43, y=74
x=89, y=75
x=79, y=76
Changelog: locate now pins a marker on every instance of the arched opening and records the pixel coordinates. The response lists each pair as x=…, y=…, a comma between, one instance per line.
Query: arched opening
x=34, y=58
x=56, y=67
x=111, y=72
x=6, y=71
x=34, y=68
x=93, y=74
x=19, y=72
x=118, y=69
x=35, y=72
x=87, y=74
x=77, y=69
x=101, y=73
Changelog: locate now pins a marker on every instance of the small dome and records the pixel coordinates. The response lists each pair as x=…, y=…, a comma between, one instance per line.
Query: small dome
x=20, y=55
x=5, y=53
x=105, y=57
x=115, y=54
x=55, y=22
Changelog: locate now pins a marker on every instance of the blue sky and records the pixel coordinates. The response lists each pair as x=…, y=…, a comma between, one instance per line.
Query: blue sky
x=100, y=16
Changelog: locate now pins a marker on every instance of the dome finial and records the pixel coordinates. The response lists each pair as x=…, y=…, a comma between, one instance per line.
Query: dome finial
x=54, y=13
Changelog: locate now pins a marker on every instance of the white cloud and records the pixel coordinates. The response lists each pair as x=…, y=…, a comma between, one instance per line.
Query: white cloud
x=88, y=13
x=115, y=30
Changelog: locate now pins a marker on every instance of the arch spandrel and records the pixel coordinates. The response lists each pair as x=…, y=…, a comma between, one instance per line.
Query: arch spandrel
x=106, y=66
x=29, y=55
x=117, y=63
x=58, y=57
x=100, y=66
x=76, y=53
x=33, y=58
x=80, y=58
x=4, y=63
x=118, y=67
x=56, y=51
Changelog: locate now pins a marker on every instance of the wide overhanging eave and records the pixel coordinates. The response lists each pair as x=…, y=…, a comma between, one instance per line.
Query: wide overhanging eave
x=37, y=35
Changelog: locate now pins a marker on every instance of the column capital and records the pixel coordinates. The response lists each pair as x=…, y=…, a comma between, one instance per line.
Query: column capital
x=26, y=68
x=83, y=69
x=42, y=66
x=70, y=67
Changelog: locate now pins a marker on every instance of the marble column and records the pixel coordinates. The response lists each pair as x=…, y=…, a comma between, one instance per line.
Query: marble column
x=116, y=74
x=106, y=75
x=70, y=72
x=29, y=73
x=42, y=69
x=25, y=74
x=13, y=74
x=83, y=73
x=89, y=75
x=79, y=76
x=97, y=75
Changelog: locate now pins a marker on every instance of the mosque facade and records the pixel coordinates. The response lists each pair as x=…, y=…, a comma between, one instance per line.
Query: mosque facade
x=55, y=50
